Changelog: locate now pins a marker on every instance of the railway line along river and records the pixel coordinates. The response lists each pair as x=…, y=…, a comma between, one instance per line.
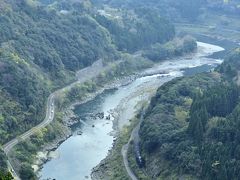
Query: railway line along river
x=93, y=136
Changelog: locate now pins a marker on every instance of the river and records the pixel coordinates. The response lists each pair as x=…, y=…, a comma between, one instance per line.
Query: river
x=94, y=137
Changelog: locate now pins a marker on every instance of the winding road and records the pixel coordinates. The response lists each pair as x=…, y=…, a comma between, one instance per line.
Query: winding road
x=82, y=76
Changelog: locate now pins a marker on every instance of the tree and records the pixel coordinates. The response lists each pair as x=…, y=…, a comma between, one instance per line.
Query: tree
x=26, y=172
x=196, y=127
x=6, y=176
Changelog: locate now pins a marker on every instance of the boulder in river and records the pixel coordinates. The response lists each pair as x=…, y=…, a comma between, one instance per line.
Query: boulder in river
x=100, y=115
x=79, y=133
x=108, y=117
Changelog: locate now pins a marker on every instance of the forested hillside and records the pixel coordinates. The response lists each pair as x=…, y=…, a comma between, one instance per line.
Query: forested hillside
x=181, y=10
x=43, y=45
x=175, y=10
x=191, y=129
x=133, y=30
x=40, y=50
x=44, y=42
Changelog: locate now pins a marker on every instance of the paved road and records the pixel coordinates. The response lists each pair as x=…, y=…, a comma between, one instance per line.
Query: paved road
x=82, y=76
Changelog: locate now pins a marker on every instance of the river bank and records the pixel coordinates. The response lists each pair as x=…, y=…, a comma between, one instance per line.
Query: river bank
x=108, y=168
x=170, y=65
x=69, y=119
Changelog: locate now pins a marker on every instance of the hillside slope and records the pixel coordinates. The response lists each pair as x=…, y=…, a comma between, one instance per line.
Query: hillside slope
x=44, y=42
x=191, y=129
x=40, y=50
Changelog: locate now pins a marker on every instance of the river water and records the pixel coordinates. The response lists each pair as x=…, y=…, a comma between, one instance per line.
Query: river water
x=93, y=137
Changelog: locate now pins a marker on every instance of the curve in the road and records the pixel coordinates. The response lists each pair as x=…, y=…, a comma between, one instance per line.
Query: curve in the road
x=82, y=76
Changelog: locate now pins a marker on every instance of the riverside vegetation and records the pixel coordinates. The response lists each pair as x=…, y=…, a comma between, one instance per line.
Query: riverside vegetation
x=43, y=44
x=191, y=128
x=26, y=151
x=218, y=19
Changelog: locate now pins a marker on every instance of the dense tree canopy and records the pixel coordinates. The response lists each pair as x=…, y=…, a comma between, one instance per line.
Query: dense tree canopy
x=192, y=126
x=178, y=11
x=132, y=34
x=44, y=42
x=177, y=47
x=42, y=45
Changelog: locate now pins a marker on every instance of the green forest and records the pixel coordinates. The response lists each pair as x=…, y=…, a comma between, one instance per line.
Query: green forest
x=177, y=11
x=41, y=49
x=132, y=34
x=44, y=42
x=174, y=48
x=192, y=126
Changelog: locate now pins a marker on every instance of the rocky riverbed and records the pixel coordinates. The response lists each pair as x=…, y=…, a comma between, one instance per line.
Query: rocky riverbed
x=70, y=118
x=124, y=95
